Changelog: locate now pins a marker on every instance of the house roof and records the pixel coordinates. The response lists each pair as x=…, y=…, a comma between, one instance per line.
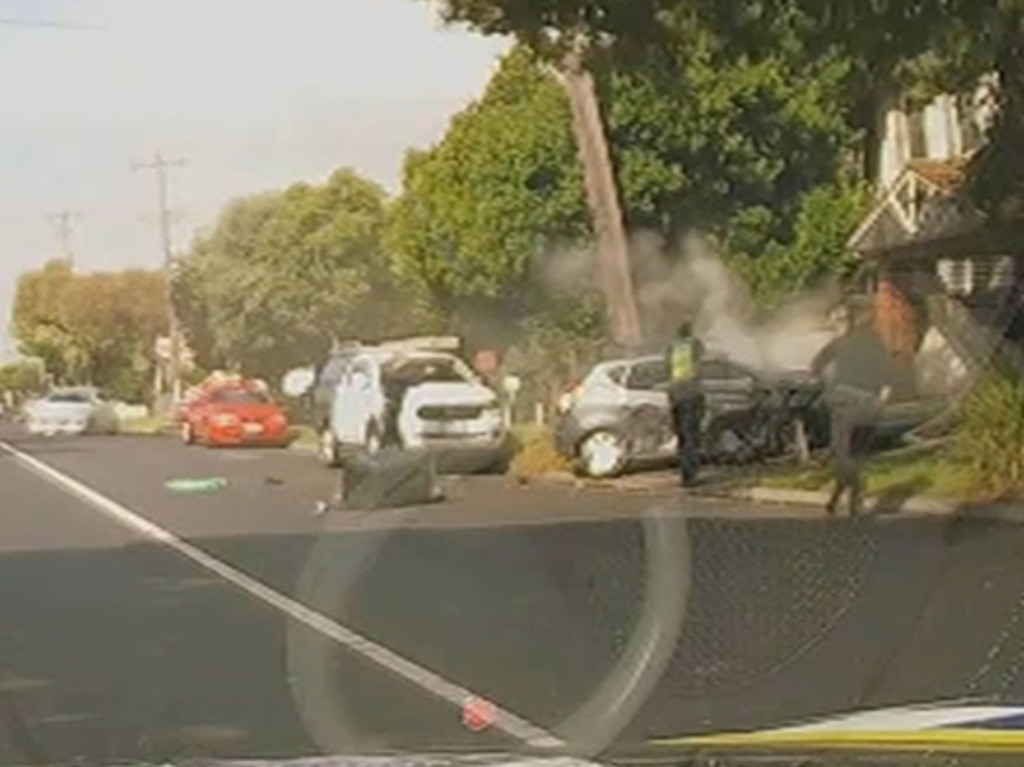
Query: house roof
x=938, y=211
x=945, y=175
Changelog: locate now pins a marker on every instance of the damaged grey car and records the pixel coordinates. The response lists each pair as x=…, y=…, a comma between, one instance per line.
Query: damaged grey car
x=618, y=416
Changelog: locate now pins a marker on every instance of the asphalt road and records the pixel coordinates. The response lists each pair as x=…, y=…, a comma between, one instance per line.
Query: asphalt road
x=137, y=623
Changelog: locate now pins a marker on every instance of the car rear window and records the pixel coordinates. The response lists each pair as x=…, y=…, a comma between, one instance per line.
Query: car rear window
x=433, y=370
x=646, y=376
x=240, y=397
x=614, y=373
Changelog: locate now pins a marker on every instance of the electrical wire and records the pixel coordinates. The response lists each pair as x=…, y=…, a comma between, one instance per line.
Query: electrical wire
x=43, y=24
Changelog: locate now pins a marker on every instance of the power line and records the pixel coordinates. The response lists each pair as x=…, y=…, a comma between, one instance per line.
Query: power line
x=42, y=24
x=159, y=164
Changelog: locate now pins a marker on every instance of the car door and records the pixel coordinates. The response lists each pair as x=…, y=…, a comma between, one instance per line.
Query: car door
x=645, y=385
x=353, y=406
x=200, y=414
x=728, y=387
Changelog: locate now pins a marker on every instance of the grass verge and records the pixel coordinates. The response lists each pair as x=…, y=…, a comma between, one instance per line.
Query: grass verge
x=303, y=437
x=536, y=453
x=148, y=426
x=915, y=471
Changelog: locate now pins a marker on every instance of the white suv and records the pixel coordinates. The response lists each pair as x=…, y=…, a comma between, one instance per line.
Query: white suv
x=412, y=399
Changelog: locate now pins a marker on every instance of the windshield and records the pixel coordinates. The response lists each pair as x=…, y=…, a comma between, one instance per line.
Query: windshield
x=240, y=397
x=475, y=381
x=69, y=398
x=432, y=370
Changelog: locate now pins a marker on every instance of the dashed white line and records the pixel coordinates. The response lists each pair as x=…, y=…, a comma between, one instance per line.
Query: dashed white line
x=429, y=681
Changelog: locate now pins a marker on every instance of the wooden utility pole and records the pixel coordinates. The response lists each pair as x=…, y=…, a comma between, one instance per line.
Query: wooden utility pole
x=160, y=165
x=603, y=199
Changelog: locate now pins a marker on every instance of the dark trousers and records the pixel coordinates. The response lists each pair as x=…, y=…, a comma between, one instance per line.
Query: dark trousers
x=853, y=430
x=687, y=414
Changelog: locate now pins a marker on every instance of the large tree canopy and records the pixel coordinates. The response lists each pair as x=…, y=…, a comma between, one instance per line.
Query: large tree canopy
x=732, y=148
x=914, y=47
x=282, y=274
x=500, y=191
x=92, y=328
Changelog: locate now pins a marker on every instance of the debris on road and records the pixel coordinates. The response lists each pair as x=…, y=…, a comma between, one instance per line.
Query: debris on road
x=479, y=714
x=202, y=485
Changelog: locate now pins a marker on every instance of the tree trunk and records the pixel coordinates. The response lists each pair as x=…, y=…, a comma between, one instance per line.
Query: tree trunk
x=603, y=200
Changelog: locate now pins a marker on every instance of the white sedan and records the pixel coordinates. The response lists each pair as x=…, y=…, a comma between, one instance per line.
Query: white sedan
x=71, y=411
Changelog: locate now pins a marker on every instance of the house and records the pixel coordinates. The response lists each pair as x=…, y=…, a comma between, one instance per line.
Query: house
x=944, y=286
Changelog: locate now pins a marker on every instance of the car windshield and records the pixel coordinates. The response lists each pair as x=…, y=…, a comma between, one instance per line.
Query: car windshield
x=240, y=397
x=430, y=370
x=68, y=398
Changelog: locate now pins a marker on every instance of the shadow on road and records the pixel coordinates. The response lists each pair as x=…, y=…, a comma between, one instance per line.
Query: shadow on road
x=135, y=653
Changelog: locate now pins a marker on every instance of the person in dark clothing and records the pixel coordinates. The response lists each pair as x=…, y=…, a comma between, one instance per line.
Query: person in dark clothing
x=857, y=389
x=686, y=398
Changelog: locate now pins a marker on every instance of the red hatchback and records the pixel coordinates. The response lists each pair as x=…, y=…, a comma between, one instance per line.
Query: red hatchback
x=234, y=415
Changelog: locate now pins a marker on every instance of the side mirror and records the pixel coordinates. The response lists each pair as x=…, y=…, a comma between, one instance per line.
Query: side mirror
x=297, y=383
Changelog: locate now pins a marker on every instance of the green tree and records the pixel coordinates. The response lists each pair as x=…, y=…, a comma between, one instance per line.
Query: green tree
x=706, y=140
x=283, y=273
x=40, y=322
x=501, y=192
x=730, y=147
x=25, y=376
x=92, y=328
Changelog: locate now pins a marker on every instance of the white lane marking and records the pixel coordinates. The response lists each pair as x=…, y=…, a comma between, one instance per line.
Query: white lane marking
x=507, y=722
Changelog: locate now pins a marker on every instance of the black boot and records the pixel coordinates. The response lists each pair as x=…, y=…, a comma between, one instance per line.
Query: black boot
x=833, y=501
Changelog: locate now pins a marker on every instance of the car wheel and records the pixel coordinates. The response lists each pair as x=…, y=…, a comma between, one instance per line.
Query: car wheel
x=602, y=454
x=328, y=449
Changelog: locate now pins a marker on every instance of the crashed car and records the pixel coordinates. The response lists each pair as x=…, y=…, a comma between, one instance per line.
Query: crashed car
x=411, y=395
x=619, y=415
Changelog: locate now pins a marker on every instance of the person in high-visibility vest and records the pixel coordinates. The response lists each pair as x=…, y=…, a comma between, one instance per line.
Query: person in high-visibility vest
x=686, y=397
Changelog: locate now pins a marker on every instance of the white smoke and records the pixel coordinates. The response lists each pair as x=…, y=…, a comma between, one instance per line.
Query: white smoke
x=695, y=282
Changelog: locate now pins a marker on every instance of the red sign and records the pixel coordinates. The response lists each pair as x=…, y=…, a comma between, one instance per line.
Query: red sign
x=479, y=714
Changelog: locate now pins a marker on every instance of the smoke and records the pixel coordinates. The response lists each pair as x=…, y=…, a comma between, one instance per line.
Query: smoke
x=692, y=281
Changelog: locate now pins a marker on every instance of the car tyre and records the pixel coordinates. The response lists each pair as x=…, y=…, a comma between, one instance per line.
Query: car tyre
x=602, y=454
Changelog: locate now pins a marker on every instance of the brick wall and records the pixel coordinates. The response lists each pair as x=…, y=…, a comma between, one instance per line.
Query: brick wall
x=895, y=316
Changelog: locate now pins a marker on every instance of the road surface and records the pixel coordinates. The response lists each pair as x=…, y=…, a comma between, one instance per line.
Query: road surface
x=145, y=624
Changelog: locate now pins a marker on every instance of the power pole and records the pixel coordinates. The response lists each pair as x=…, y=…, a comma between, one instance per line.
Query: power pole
x=159, y=164
x=603, y=199
x=63, y=219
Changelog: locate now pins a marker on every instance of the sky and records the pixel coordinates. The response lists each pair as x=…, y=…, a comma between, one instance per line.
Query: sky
x=251, y=94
